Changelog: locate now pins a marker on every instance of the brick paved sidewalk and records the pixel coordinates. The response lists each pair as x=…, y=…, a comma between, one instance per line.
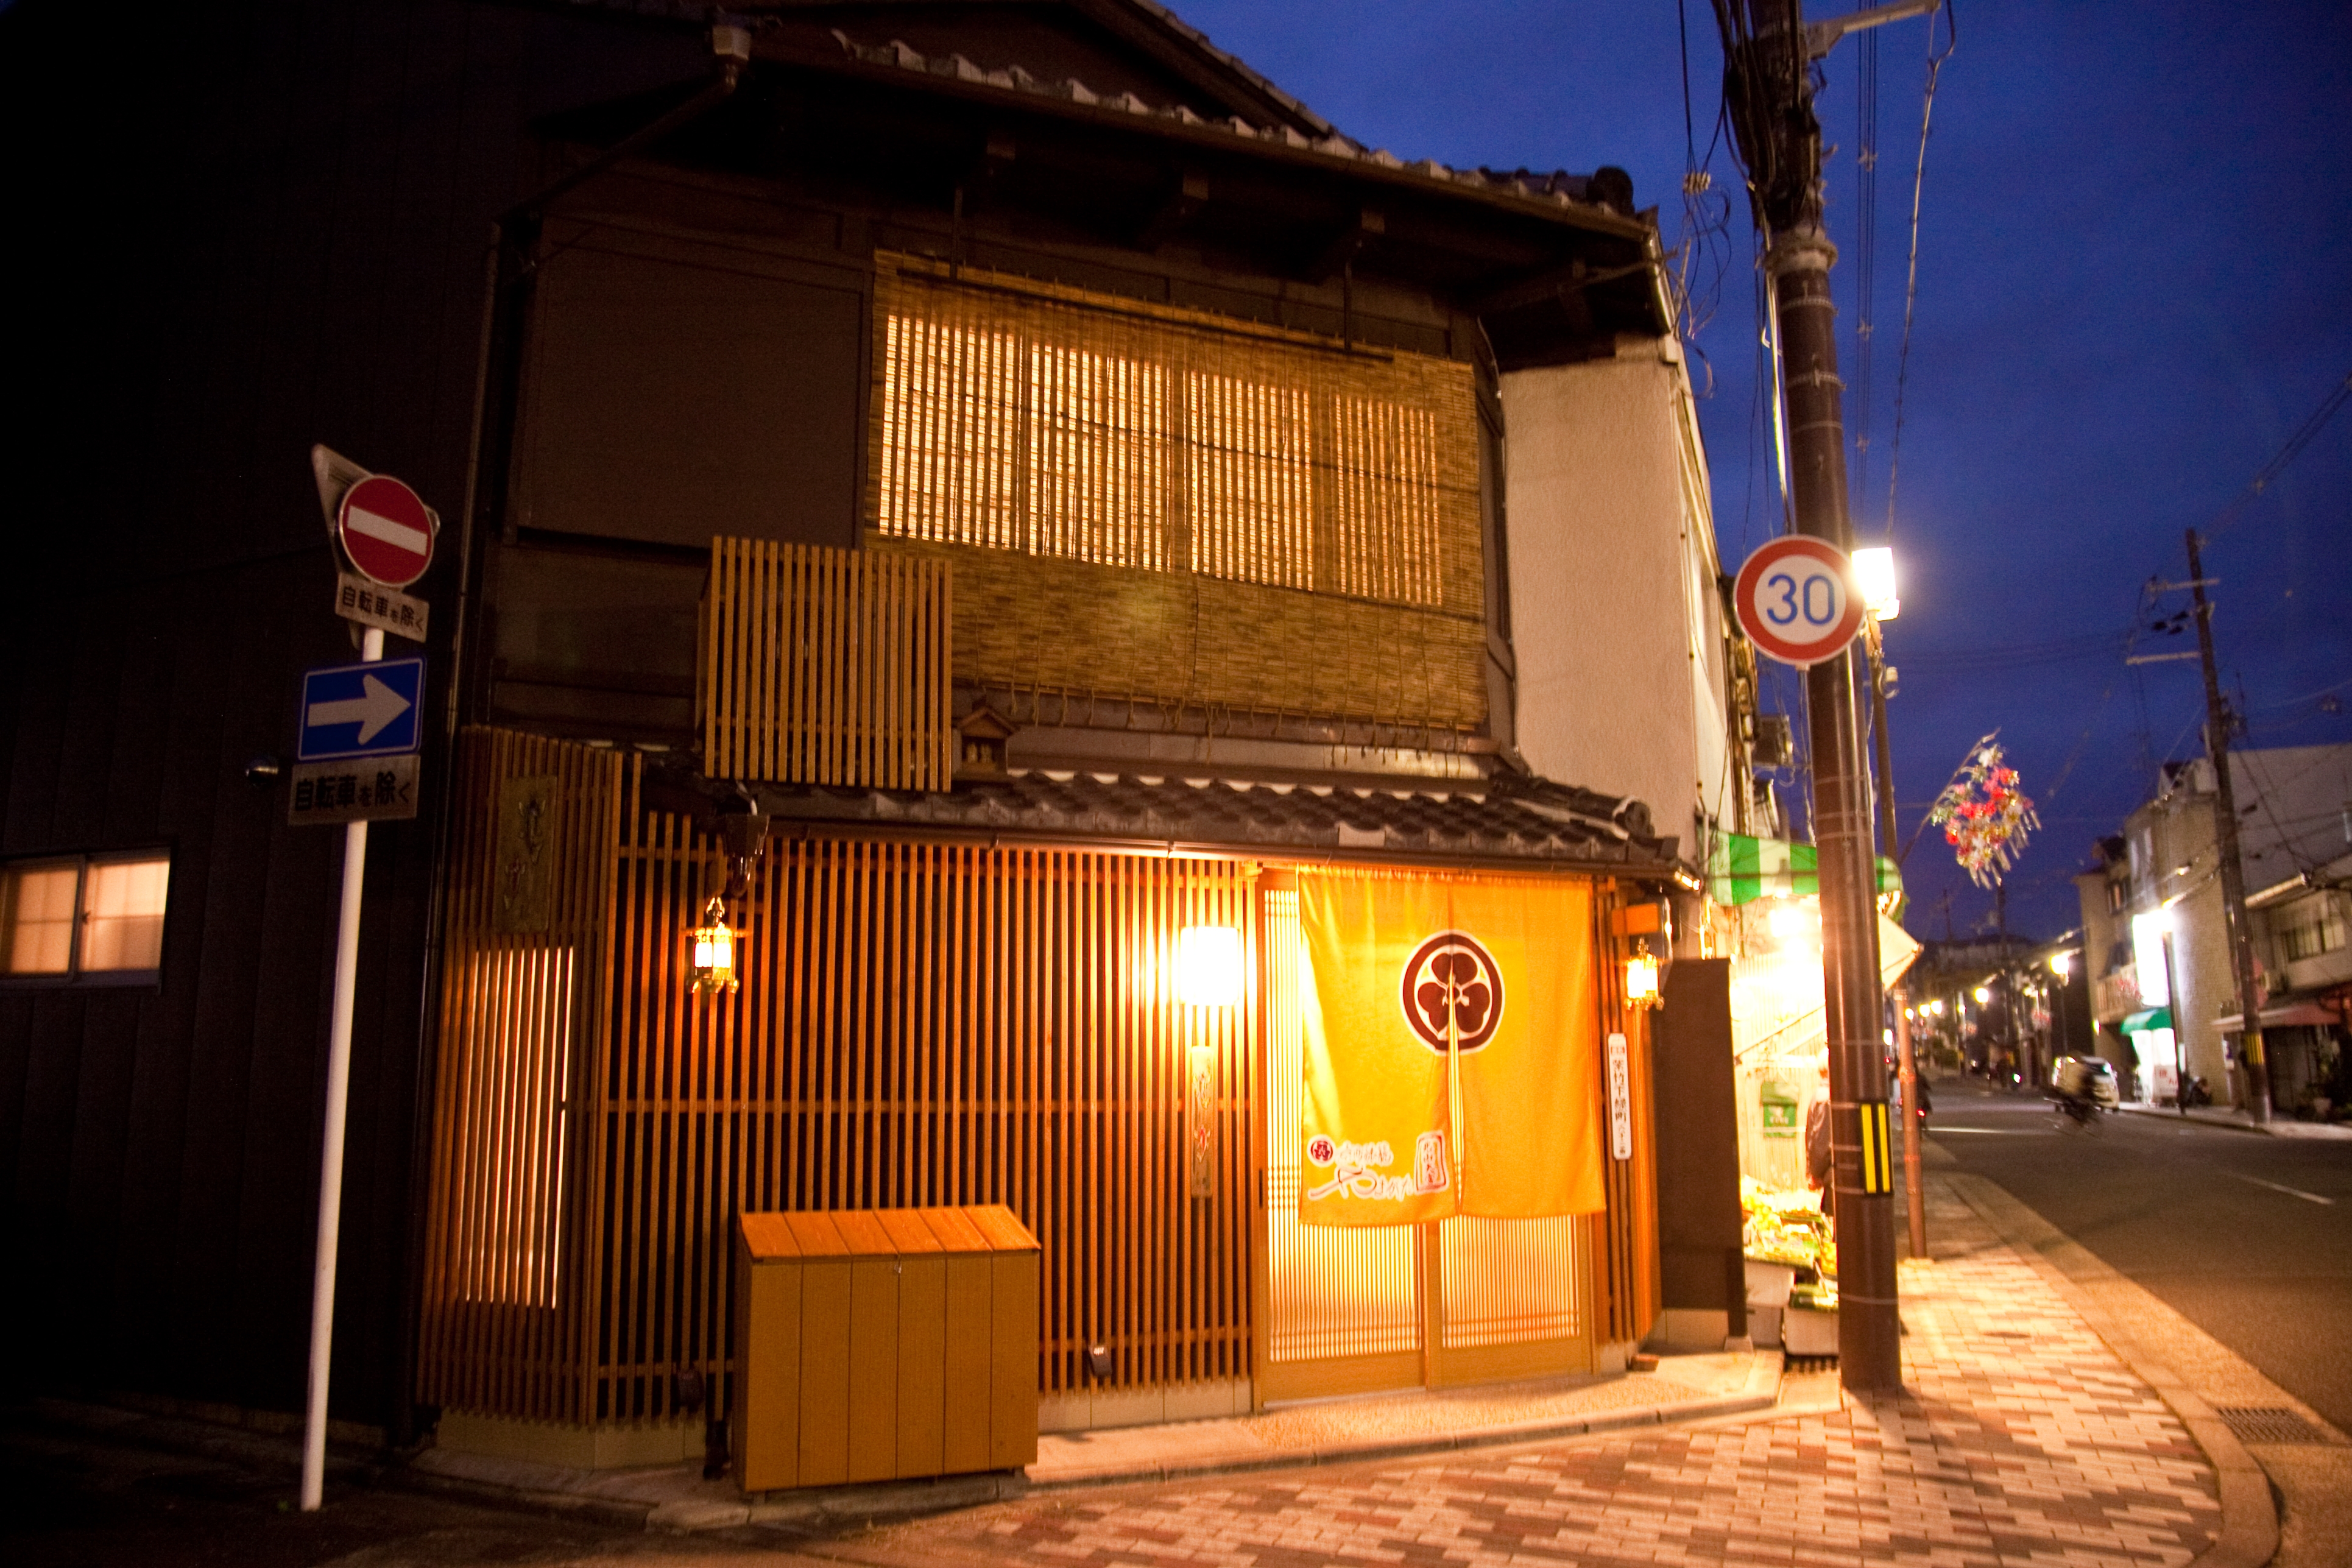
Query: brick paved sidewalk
x=2020, y=1438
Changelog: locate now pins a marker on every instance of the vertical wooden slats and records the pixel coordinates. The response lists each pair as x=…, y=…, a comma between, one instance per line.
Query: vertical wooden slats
x=503, y=1320
x=826, y=666
x=919, y=1025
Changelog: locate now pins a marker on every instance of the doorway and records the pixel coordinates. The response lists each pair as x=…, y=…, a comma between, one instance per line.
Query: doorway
x=1346, y=1310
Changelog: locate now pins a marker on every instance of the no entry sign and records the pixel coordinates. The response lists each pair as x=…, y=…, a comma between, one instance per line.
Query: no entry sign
x=386, y=531
x=1797, y=601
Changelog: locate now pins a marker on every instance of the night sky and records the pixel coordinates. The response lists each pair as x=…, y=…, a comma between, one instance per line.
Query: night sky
x=2135, y=285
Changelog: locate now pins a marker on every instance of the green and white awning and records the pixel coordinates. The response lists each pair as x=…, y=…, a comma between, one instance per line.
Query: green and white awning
x=1741, y=869
x=2147, y=1020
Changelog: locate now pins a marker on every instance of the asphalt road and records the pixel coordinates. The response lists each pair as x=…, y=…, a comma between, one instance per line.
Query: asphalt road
x=2249, y=1238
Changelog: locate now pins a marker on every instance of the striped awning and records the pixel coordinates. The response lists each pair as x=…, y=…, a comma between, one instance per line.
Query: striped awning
x=1741, y=869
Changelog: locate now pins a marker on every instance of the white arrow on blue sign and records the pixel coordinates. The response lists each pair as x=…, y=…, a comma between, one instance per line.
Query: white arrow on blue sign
x=361, y=709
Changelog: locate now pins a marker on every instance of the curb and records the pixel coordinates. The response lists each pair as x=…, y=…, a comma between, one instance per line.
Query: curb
x=2249, y=1521
x=2309, y=1132
x=1539, y=1430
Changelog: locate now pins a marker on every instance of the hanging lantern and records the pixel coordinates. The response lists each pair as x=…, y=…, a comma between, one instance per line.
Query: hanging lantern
x=714, y=949
x=1210, y=969
x=1642, y=976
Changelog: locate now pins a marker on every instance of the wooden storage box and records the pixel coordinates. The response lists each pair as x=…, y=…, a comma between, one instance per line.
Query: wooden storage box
x=876, y=1344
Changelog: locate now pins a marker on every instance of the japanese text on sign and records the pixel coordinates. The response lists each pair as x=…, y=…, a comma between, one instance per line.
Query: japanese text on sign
x=357, y=599
x=374, y=789
x=1621, y=1102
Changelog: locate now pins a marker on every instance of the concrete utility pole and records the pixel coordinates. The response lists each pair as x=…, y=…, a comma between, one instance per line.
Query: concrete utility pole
x=1768, y=54
x=2233, y=875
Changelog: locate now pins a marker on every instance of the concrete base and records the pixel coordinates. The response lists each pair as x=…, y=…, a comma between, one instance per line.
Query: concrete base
x=571, y=1447
x=1689, y=1331
x=1088, y=1410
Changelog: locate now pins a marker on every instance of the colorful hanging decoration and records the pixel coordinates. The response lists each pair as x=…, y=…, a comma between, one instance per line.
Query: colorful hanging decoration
x=1984, y=815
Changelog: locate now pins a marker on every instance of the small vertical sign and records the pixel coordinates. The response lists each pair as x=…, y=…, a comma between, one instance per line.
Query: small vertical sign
x=1621, y=1100
x=1200, y=1119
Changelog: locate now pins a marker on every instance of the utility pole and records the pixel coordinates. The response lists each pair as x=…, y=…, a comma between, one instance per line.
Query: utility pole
x=1906, y=1059
x=2233, y=875
x=1768, y=54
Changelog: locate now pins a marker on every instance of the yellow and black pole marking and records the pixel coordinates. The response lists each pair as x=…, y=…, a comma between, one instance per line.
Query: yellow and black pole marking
x=1877, y=1149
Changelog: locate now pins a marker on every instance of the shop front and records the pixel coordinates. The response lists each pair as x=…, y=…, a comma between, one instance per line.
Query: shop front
x=1133, y=1050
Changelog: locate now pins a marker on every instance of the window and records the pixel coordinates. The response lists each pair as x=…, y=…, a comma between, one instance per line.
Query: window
x=93, y=919
x=2320, y=931
x=1015, y=419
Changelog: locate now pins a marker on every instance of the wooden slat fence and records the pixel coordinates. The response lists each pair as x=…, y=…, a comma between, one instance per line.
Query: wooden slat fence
x=824, y=666
x=524, y=1000
x=919, y=1024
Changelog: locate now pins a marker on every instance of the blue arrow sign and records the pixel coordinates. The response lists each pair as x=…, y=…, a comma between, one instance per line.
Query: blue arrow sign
x=361, y=709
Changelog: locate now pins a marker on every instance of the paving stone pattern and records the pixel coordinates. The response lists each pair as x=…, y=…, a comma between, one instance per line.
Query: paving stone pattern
x=2020, y=1439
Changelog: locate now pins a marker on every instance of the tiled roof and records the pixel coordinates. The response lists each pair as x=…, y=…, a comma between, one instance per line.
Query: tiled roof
x=1559, y=188
x=1506, y=818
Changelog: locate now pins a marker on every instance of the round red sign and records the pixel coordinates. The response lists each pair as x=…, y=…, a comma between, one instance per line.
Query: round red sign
x=1797, y=600
x=386, y=531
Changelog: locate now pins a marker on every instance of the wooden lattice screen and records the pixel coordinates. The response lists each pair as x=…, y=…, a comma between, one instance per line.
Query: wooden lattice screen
x=524, y=995
x=918, y=1024
x=825, y=666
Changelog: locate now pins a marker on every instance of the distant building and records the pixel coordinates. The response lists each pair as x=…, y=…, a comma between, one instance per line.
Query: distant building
x=2164, y=992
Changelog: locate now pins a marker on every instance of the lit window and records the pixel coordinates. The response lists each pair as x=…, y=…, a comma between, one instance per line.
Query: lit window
x=93, y=918
x=37, y=918
x=1092, y=433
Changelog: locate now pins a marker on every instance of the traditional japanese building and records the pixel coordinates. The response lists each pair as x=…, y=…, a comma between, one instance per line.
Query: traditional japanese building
x=1002, y=507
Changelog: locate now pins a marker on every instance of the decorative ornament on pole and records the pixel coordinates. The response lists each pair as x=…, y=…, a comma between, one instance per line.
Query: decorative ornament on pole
x=1798, y=600
x=1985, y=816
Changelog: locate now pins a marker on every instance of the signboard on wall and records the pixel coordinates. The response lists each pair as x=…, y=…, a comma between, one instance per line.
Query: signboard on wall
x=1621, y=1100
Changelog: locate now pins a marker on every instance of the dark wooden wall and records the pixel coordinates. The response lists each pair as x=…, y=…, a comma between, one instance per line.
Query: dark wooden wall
x=243, y=228
x=238, y=229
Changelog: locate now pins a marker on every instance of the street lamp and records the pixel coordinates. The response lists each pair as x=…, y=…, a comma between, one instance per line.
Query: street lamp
x=1873, y=571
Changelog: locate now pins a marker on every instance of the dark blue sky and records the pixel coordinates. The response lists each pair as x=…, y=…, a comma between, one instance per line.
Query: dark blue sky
x=2134, y=285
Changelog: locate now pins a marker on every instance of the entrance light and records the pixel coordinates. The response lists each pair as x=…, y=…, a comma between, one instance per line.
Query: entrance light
x=1209, y=967
x=714, y=949
x=1642, y=976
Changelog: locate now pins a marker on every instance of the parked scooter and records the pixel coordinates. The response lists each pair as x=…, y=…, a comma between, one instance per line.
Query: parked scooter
x=2193, y=1093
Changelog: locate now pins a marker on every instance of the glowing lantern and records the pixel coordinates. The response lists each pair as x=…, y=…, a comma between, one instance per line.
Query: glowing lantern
x=714, y=949
x=1641, y=977
x=1209, y=966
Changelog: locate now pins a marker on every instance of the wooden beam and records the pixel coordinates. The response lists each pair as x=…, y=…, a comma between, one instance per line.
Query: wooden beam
x=1558, y=283
x=1187, y=194
x=1361, y=227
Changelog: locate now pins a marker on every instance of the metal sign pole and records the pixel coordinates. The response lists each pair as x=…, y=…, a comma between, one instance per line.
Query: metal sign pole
x=331, y=1158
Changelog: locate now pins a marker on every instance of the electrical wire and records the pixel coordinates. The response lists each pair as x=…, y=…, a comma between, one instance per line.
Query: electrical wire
x=1865, y=160
x=2233, y=513
x=1911, y=283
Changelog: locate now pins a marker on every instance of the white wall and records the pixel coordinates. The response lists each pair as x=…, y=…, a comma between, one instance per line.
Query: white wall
x=1615, y=621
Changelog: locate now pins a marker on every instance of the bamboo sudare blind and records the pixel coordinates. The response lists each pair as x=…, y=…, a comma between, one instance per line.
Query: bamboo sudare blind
x=1018, y=416
x=826, y=666
x=919, y=1025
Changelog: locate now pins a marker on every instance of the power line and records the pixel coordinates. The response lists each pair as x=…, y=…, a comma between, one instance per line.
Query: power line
x=1911, y=283
x=2231, y=514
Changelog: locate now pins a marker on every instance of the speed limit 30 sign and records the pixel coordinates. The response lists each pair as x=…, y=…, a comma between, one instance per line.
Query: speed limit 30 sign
x=1797, y=600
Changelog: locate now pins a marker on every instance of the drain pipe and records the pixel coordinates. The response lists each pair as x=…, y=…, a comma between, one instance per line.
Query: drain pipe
x=497, y=373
